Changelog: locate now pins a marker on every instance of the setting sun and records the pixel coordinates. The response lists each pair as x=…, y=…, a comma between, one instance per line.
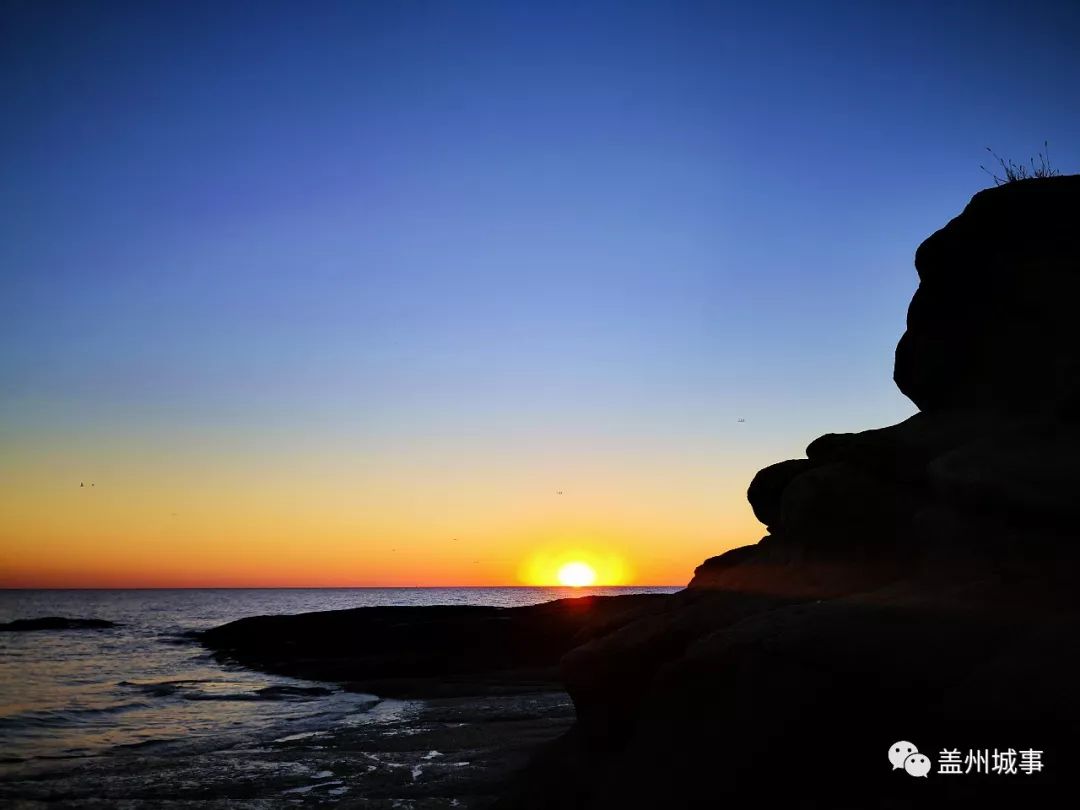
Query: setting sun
x=576, y=565
x=577, y=575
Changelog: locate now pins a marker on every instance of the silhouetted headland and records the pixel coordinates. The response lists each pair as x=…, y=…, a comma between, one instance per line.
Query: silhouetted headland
x=917, y=582
x=428, y=651
x=54, y=623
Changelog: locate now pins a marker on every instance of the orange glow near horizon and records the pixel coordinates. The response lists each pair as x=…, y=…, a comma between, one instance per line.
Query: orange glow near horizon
x=251, y=512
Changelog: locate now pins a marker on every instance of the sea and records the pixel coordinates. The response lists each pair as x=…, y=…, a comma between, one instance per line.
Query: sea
x=74, y=696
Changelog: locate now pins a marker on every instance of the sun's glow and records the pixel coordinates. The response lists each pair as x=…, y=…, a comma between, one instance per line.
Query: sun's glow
x=577, y=574
x=575, y=564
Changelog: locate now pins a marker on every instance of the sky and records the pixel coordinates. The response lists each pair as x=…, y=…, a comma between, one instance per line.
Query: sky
x=347, y=293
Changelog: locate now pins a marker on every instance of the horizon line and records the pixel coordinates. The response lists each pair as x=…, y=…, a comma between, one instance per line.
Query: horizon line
x=319, y=587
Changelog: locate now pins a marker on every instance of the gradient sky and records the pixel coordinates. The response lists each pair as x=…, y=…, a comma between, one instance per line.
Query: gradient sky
x=343, y=293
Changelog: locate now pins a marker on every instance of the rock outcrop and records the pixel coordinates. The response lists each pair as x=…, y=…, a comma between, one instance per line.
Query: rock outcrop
x=918, y=582
x=427, y=651
x=54, y=623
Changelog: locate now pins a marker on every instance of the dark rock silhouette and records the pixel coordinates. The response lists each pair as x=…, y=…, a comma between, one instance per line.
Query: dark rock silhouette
x=54, y=623
x=918, y=582
x=992, y=324
x=427, y=651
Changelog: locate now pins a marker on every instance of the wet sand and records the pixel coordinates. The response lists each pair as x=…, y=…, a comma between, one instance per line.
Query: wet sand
x=411, y=755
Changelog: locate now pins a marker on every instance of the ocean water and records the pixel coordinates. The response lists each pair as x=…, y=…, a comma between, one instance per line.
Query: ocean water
x=146, y=685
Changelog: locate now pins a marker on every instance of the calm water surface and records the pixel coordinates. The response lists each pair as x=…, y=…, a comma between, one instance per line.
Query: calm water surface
x=83, y=693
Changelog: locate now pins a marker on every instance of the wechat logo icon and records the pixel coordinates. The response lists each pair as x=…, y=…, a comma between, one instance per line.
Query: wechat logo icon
x=906, y=756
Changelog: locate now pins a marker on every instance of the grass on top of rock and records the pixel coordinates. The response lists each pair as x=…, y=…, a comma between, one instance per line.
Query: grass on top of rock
x=1013, y=171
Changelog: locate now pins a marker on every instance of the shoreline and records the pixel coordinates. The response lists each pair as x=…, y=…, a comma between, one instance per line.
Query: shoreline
x=436, y=753
x=438, y=732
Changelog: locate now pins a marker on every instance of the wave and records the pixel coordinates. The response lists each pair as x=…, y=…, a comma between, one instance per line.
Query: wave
x=170, y=687
x=188, y=689
x=59, y=718
x=266, y=693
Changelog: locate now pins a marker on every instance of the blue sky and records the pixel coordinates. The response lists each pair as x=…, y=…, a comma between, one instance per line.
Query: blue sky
x=538, y=228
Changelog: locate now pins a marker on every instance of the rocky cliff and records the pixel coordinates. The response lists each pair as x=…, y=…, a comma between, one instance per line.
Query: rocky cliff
x=918, y=582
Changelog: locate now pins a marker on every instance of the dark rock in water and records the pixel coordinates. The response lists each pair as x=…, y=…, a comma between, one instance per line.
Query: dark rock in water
x=918, y=582
x=408, y=651
x=55, y=623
